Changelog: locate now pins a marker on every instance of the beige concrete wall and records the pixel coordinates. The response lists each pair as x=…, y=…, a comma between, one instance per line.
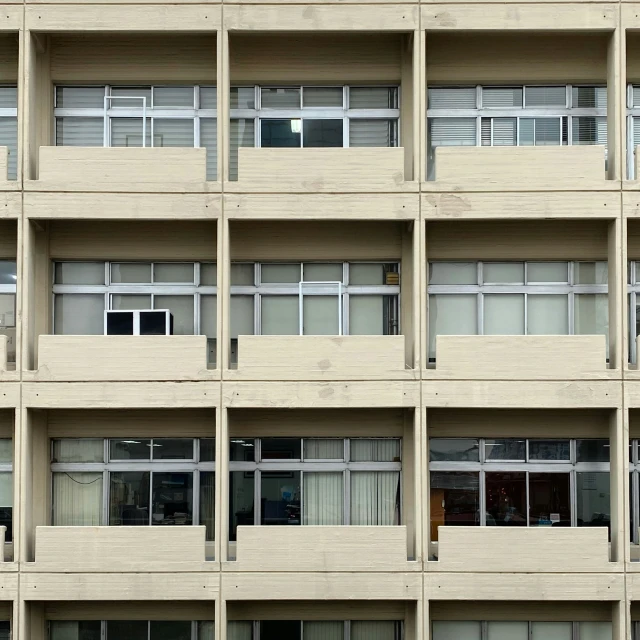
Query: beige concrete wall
x=124, y=610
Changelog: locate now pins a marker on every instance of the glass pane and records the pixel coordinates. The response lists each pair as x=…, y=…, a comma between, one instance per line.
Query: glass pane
x=8, y=272
x=208, y=98
x=504, y=449
x=323, y=498
x=589, y=130
x=592, y=450
x=363, y=273
x=129, y=498
x=452, y=132
x=455, y=500
x=173, y=97
x=133, y=92
x=173, y=449
x=316, y=272
x=173, y=272
x=280, y=498
x=593, y=505
x=372, y=133
x=172, y=498
x=596, y=631
x=547, y=315
x=591, y=314
x=459, y=630
x=208, y=502
x=127, y=132
x=280, y=630
x=549, y=500
x=503, y=272
x=549, y=450
x=591, y=272
x=74, y=630
x=208, y=274
x=501, y=96
x=454, y=449
x=322, y=133
x=130, y=272
x=322, y=97
x=372, y=98
x=77, y=272
x=128, y=629
x=281, y=448
x=452, y=98
x=241, y=134
x=239, y=630
x=181, y=308
x=242, y=316
x=79, y=314
x=170, y=630
x=207, y=449
x=280, y=273
x=545, y=96
x=551, y=631
x=452, y=314
x=241, y=449
x=375, y=450
x=280, y=133
x=325, y=630
x=547, y=272
x=130, y=449
x=77, y=499
x=506, y=499
x=501, y=630
x=173, y=132
x=323, y=449
x=7, y=310
x=79, y=132
x=374, y=630
x=280, y=315
x=6, y=450
x=80, y=97
x=78, y=450
x=320, y=315
x=589, y=97
x=453, y=273
x=281, y=98
x=6, y=492
x=208, y=319
x=243, y=98
x=504, y=314
x=241, y=494
x=243, y=274
x=375, y=498
x=127, y=302
x=367, y=315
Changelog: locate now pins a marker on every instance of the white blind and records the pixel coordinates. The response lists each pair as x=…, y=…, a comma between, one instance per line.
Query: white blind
x=545, y=96
x=453, y=132
x=78, y=450
x=322, y=97
x=502, y=97
x=172, y=132
x=504, y=131
x=372, y=98
x=208, y=98
x=242, y=132
x=80, y=97
x=589, y=97
x=127, y=132
x=323, y=449
x=8, y=98
x=209, y=140
x=452, y=98
x=173, y=97
x=370, y=133
x=9, y=139
x=588, y=130
x=79, y=132
x=77, y=499
x=375, y=450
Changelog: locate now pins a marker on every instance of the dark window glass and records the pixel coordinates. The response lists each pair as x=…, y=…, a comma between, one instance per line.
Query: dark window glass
x=172, y=449
x=280, y=630
x=64, y=629
x=504, y=449
x=506, y=499
x=128, y=629
x=130, y=449
x=593, y=505
x=207, y=502
x=281, y=448
x=207, y=449
x=6, y=520
x=549, y=450
x=242, y=450
x=120, y=324
x=280, y=133
x=594, y=450
x=172, y=498
x=129, y=498
x=241, y=495
x=453, y=449
x=455, y=500
x=170, y=630
x=322, y=133
x=280, y=497
x=154, y=323
x=549, y=500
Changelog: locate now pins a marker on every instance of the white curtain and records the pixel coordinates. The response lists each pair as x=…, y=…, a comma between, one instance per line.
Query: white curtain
x=508, y=630
x=206, y=630
x=239, y=630
x=458, y=630
x=596, y=631
x=78, y=450
x=323, y=630
x=77, y=499
x=323, y=502
x=375, y=450
x=551, y=630
x=373, y=630
x=323, y=449
x=374, y=497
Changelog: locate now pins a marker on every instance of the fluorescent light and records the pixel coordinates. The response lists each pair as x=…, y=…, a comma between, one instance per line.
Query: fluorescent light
x=130, y=441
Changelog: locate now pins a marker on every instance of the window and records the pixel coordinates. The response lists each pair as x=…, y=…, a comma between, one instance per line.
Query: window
x=520, y=630
x=6, y=490
x=314, y=481
x=131, y=630
x=633, y=128
x=312, y=117
x=315, y=630
x=8, y=279
x=634, y=489
x=516, y=115
x=83, y=290
x=634, y=309
x=143, y=116
x=133, y=482
x=519, y=482
x=516, y=298
x=9, y=128
x=314, y=298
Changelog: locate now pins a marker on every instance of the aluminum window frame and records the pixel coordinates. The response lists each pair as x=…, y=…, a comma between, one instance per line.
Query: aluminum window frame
x=633, y=297
x=484, y=626
x=633, y=111
x=634, y=491
x=194, y=466
x=11, y=289
x=480, y=289
x=344, y=466
x=398, y=632
x=307, y=288
x=103, y=626
x=571, y=467
x=344, y=113
x=7, y=467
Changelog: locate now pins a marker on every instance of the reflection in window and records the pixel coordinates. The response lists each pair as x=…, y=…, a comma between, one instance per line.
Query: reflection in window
x=315, y=630
x=131, y=629
x=520, y=630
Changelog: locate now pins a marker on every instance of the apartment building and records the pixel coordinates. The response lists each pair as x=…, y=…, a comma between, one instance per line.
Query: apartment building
x=319, y=320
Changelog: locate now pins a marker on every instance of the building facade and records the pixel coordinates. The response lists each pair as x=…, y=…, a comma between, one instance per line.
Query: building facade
x=390, y=390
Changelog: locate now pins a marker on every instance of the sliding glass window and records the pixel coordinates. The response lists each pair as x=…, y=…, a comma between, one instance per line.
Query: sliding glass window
x=520, y=630
x=514, y=116
x=6, y=488
x=634, y=309
x=82, y=291
x=296, y=116
x=518, y=482
x=131, y=630
x=516, y=298
x=133, y=482
x=138, y=116
x=314, y=481
x=8, y=280
x=315, y=630
x=9, y=128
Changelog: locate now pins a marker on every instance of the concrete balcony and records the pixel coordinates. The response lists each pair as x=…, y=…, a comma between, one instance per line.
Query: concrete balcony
x=122, y=169
x=122, y=358
x=324, y=170
x=521, y=357
x=561, y=168
x=321, y=548
x=119, y=549
x=321, y=358
x=525, y=549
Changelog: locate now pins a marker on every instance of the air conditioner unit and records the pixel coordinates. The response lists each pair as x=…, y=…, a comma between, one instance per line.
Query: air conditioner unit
x=142, y=322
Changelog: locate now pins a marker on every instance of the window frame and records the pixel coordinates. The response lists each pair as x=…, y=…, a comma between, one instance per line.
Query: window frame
x=255, y=627
x=484, y=626
x=7, y=467
x=103, y=626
